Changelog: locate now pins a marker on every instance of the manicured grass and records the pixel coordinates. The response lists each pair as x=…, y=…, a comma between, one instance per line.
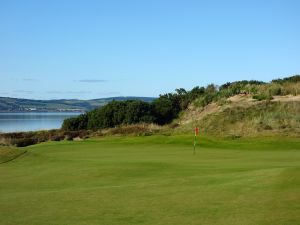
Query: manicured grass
x=153, y=180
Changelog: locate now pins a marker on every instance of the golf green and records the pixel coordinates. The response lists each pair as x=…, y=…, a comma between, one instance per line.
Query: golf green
x=153, y=180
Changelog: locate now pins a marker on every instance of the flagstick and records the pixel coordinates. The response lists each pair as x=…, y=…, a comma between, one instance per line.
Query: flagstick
x=194, y=144
x=195, y=139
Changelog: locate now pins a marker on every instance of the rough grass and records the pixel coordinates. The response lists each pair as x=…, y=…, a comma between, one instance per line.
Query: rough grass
x=7, y=153
x=23, y=139
x=153, y=180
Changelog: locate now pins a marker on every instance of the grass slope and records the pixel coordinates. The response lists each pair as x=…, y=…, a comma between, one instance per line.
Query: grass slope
x=7, y=153
x=153, y=180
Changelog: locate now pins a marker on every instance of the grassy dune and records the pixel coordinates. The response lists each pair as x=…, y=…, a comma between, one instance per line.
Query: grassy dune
x=153, y=180
x=244, y=117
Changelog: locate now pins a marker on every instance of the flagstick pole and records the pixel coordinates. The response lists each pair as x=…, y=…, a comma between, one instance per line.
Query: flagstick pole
x=194, y=144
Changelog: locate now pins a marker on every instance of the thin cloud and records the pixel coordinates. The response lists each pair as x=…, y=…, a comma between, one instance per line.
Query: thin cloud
x=30, y=79
x=108, y=93
x=68, y=92
x=91, y=81
x=54, y=92
x=78, y=92
x=23, y=91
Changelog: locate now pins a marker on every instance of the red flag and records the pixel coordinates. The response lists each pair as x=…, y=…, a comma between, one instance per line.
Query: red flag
x=196, y=131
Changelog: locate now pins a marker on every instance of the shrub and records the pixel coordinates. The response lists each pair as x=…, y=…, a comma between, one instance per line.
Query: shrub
x=275, y=89
x=76, y=123
x=57, y=137
x=292, y=79
x=23, y=142
x=261, y=97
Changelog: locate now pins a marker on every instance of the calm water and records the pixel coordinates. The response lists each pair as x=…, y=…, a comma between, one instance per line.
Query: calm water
x=11, y=122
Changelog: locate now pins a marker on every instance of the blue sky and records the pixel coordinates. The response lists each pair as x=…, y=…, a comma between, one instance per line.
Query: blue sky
x=92, y=49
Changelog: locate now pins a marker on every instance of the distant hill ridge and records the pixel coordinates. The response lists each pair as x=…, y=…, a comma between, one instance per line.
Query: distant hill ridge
x=8, y=104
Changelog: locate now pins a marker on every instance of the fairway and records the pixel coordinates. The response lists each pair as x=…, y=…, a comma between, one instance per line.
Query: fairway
x=153, y=180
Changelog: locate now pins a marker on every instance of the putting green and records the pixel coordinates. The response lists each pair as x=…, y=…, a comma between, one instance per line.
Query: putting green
x=153, y=180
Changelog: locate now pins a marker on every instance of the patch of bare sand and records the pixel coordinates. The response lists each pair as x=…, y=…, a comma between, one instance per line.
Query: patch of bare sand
x=194, y=113
x=241, y=98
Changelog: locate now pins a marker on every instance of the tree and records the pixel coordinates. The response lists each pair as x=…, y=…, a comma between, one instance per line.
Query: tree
x=163, y=110
x=76, y=123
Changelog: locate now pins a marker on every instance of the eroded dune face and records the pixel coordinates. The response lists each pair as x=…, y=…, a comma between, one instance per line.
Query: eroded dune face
x=243, y=115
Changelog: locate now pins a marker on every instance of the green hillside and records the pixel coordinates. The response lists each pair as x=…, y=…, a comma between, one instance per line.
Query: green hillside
x=21, y=105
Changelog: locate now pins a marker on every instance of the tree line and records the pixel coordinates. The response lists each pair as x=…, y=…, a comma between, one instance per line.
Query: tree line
x=160, y=111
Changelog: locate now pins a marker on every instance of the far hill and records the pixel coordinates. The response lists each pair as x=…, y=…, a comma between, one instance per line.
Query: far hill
x=28, y=105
